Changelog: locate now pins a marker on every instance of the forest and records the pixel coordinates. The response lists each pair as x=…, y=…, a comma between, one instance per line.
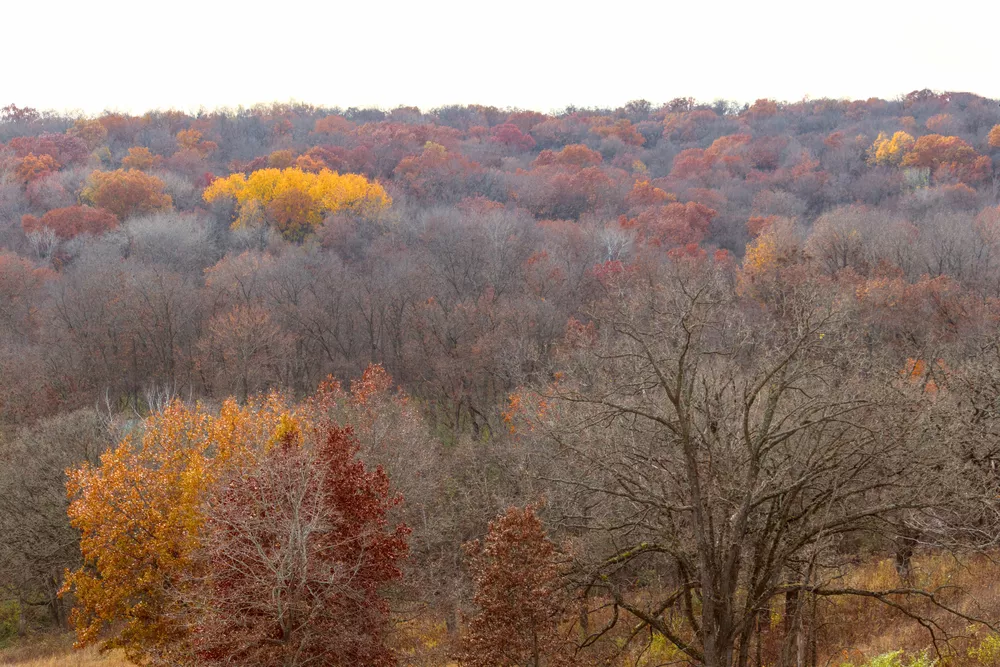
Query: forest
x=704, y=384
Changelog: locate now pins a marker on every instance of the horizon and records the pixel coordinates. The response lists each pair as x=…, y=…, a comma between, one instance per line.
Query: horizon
x=568, y=108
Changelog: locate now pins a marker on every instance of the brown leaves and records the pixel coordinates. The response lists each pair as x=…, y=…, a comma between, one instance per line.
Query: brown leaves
x=518, y=593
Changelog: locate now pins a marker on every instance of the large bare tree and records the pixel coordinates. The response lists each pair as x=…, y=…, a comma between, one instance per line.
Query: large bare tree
x=740, y=450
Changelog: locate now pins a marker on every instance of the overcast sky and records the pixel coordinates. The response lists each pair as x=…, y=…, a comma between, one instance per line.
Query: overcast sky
x=91, y=55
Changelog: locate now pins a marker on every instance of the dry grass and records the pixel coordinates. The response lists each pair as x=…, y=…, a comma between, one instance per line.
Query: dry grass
x=57, y=651
x=852, y=630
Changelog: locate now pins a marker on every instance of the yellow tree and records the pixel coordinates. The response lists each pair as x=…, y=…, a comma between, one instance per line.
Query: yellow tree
x=141, y=517
x=890, y=152
x=295, y=201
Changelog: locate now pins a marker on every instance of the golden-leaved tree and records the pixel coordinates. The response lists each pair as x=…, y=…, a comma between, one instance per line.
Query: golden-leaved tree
x=140, y=515
x=886, y=151
x=296, y=201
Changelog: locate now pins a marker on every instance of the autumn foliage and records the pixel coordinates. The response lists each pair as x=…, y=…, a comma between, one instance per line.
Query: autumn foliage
x=126, y=193
x=295, y=201
x=251, y=534
x=69, y=222
x=297, y=551
x=518, y=597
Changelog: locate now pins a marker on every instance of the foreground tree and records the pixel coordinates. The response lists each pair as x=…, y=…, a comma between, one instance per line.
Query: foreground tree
x=519, y=596
x=297, y=551
x=140, y=518
x=739, y=449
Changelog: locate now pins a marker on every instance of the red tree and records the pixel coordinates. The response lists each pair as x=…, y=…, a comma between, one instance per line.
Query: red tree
x=299, y=548
x=510, y=135
x=72, y=221
x=518, y=593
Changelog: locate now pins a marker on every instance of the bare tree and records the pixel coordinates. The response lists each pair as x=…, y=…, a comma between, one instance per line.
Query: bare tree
x=739, y=450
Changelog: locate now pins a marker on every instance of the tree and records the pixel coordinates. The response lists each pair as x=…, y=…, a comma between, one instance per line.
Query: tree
x=65, y=149
x=994, y=137
x=140, y=517
x=948, y=158
x=71, y=221
x=245, y=350
x=297, y=552
x=735, y=447
x=39, y=542
x=519, y=597
x=126, y=193
x=33, y=167
x=886, y=151
x=296, y=201
x=436, y=174
x=141, y=158
x=510, y=135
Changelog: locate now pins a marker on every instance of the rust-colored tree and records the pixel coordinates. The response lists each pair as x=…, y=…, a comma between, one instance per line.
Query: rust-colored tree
x=298, y=551
x=518, y=592
x=126, y=193
x=71, y=221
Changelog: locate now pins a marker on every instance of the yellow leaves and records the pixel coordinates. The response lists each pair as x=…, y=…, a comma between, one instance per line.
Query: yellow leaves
x=316, y=194
x=141, y=515
x=890, y=152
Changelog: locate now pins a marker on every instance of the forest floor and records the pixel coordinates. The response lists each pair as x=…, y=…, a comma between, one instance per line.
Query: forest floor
x=57, y=651
x=859, y=628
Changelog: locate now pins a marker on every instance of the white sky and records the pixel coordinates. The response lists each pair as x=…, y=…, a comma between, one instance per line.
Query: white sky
x=136, y=55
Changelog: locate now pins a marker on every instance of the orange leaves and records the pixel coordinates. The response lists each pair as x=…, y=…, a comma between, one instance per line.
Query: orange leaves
x=333, y=125
x=645, y=194
x=434, y=174
x=141, y=158
x=91, y=132
x=575, y=156
x=993, y=139
x=675, y=224
x=126, y=193
x=917, y=373
x=373, y=381
x=32, y=167
x=188, y=139
x=71, y=221
x=140, y=515
x=948, y=158
x=619, y=129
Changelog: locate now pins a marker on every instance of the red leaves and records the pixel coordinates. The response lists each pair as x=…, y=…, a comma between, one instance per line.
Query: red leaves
x=510, y=135
x=675, y=224
x=520, y=603
x=298, y=550
x=72, y=221
x=62, y=148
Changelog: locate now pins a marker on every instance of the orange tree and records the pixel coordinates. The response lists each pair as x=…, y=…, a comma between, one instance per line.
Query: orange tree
x=126, y=192
x=207, y=535
x=140, y=516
